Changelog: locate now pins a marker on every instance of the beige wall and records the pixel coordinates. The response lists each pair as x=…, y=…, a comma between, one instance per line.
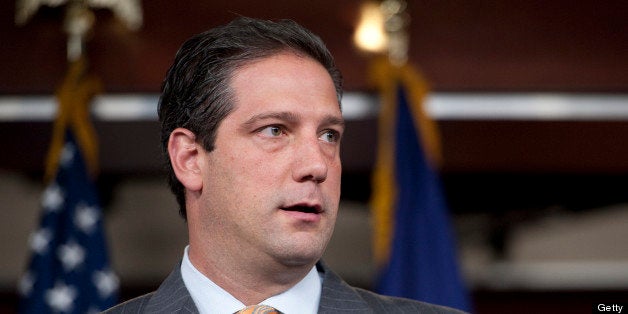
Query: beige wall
x=147, y=237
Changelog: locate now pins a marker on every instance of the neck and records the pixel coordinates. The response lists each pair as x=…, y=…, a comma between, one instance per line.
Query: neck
x=250, y=283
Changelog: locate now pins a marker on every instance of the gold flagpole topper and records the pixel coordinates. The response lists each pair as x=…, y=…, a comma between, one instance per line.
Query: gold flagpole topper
x=78, y=87
x=383, y=28
x=79, y=18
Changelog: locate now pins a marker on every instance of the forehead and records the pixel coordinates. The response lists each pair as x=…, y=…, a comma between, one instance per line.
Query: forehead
x=284, y=80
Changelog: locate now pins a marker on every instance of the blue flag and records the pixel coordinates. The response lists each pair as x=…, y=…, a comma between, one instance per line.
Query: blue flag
x=69, y=269
x=423, y=262
x=417, y=254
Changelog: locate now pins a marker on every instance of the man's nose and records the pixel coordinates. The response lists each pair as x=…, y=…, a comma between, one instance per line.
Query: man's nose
x=310, y=163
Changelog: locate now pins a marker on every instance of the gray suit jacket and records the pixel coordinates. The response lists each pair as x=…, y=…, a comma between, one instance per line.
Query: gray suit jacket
x=336, y=297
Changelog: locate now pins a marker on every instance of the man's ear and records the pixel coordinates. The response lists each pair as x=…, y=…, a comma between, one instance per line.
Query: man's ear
x=185, y=158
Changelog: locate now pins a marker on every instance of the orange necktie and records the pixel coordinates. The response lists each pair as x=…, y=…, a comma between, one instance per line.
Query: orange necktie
x=258, y=309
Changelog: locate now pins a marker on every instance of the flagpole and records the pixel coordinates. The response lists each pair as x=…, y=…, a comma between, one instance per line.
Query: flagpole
x=69, y=269
x=78, y=22
x=76, y=92
x=396, y=25
x=413, y=245
x=78, y=88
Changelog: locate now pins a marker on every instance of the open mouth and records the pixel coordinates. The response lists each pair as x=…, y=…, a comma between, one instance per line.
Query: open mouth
x=303, y=209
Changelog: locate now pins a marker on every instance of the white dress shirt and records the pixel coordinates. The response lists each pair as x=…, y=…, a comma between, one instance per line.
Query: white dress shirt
x=212, y=299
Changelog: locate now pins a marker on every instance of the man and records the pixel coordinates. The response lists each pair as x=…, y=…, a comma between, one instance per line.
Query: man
x=251, y=124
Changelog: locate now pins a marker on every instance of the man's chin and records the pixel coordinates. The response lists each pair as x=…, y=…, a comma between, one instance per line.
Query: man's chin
x=300, y=256
x=301, y=248
x=297, y=259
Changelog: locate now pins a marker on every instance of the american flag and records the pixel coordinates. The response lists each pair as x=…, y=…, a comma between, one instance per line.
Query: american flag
x=69, y=269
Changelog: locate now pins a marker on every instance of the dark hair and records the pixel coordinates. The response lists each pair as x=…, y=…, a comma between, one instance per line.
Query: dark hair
x=196, y=92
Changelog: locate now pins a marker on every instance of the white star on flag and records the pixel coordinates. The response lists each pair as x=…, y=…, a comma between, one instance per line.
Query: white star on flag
x=67, y=154
x=53, y=198
x=26, y=283
x=86, y=217
x=40, y=240
x=106, y=282
x=69, y=244
x=71, y=255
x=61, y=297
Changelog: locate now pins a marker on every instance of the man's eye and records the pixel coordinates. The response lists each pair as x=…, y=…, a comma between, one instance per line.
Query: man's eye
x=330, y=136
x=272, y=131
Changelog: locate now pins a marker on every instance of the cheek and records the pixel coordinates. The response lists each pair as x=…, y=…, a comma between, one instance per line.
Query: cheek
x=332, y=184
x=334, y=173
x=253, y=172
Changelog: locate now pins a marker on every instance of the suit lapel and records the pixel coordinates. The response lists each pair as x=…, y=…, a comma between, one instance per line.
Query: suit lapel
x=337, y=296
x=172, y=296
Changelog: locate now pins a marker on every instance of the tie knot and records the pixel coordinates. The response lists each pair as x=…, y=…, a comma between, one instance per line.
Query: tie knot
x=258, y=309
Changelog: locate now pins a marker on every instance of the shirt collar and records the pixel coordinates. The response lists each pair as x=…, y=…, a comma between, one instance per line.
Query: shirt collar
x=211, y=298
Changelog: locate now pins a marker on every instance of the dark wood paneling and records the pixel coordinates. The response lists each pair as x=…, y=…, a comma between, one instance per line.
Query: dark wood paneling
x=483, y=45
x=535, y=146
x=582, y=147
x=478, y=45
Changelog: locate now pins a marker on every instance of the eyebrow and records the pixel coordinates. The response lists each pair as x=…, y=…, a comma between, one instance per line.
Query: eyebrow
x=281, y=115
x=333, y=120
x=291, y=117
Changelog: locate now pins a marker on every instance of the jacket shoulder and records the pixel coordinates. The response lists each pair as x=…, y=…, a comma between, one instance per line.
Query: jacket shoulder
x=386, y=304
x=339, y=297
x=171, y=297
x=136, y=305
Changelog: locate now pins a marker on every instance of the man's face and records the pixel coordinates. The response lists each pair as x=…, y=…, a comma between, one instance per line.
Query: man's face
x=272, y=184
